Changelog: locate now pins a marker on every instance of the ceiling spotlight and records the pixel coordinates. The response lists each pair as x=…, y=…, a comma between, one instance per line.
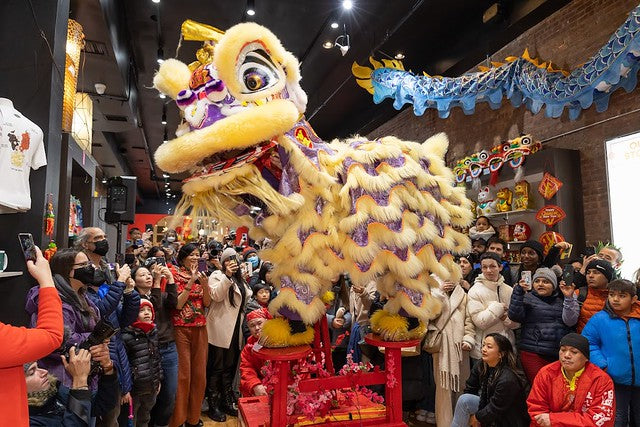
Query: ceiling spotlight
x=104, y=180
x=251, y=7
x=164, y=118
x=342, y=42
x=399, y=56
x=155, y=1
x=334, y=25
x=166, y=138
x=100, y=88
x=160, y=55
x=162, y=95
x=165, y=176
x=327, y=45
x=347, y=4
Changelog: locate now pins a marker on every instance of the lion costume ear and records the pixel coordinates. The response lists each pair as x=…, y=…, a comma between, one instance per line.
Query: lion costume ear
x=172, y=77
x=233, y=47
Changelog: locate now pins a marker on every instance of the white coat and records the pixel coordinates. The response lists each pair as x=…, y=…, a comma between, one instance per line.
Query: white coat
x=222, y=315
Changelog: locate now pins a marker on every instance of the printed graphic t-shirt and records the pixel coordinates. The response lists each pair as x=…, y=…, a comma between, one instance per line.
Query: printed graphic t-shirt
x=21, y=149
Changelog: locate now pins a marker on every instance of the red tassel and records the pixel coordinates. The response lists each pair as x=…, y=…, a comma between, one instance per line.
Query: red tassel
x=494, y=178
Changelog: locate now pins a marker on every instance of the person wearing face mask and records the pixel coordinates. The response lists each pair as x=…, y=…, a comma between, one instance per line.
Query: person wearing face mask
x=251, y=258
x=170, y=237
x=80, y=315
x=93, y=242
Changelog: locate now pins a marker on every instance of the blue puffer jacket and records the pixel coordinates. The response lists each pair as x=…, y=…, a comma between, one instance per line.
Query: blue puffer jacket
x=544, y=320
x=614, y=344
x=120, y=315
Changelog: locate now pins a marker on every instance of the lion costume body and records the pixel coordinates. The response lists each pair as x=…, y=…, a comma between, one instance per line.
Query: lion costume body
x=379, y=210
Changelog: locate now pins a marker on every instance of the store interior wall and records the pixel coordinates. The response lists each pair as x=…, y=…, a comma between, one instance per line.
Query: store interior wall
x=568, y=38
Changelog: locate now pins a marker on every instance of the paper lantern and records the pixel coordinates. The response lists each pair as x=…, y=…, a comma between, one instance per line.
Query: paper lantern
x=75, y=44
x=82, y=127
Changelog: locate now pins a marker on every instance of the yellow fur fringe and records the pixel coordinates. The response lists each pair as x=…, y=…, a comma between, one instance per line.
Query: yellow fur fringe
x=277, y=333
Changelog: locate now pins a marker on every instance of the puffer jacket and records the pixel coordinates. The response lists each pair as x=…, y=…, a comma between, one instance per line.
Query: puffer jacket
x=141, y=342
x=484, y=305
x=78, y=325
x=614, y=344
x=544, y=320
x=120, y=315
x=502, y=397
x=593, y=303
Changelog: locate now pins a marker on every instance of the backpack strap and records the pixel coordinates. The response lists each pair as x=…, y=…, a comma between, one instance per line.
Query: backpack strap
x=582, y=294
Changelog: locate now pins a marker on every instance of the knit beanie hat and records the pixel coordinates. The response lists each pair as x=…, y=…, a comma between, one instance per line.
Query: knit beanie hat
x=536, y=246
x=603, y=266
x=228, y=253
x=144, y=302
x=248, y=251
x=576, y=341
x=546, y=273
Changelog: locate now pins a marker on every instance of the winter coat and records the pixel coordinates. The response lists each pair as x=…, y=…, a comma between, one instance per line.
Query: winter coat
x=164, y=303
x=593, y=303
x=21, y=345
x=502, y=397
x=222, y=316
x=141, y=342
x=544, y=320
x=120, y=315
x=484, y=305
x=250, y=366
x=614, y=344
x=79, y=409
x=78, y=325
x=593, y=405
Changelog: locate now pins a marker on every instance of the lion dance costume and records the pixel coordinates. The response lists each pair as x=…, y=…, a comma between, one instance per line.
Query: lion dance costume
x=380, y=210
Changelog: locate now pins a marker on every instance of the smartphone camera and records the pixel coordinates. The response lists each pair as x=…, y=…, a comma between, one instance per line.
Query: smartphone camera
x=28, y=246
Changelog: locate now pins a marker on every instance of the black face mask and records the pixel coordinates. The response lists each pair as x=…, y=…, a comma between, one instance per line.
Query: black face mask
x=85, y=274
x=102, y=247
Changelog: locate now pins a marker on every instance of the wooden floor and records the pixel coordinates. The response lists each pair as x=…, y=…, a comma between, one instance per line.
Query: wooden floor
x=232, y=421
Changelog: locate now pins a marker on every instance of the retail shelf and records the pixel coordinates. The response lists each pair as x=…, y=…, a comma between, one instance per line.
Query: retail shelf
x=515, y=263
x=10, y=273
x=516, y=242
x=510, y=213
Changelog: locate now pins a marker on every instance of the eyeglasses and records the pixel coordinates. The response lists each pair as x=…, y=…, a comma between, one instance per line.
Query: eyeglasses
x=82, y=264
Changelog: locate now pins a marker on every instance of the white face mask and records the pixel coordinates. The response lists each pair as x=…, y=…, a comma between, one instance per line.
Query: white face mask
x=171, y=239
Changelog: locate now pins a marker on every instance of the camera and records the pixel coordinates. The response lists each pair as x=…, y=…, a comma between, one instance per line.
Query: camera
x=102, y=332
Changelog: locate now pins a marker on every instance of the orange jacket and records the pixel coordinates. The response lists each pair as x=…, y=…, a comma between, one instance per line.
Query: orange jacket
x=592, y=304
x=21, y=345
x=250, y=366
x=594, y=403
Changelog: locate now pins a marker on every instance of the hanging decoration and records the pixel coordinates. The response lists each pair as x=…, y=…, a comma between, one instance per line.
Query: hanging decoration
x=50, y=251
x=75, y=44
x=512, y=152
x=49, y=218
x=550, y=238
x=550, y=215
x=549, y=186
x=521, y=232
x=522, y=80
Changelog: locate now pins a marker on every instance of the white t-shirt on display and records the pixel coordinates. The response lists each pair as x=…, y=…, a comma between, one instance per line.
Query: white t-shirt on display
x=21, y=149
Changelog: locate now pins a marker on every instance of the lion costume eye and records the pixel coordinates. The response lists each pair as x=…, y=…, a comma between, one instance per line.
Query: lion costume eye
x=257, y=72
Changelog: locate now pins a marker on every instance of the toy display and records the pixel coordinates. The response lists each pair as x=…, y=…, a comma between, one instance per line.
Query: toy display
x=378, y=209
x=550, y=215
x=549, y=186
x=486, y=202
x=521, y=196
x=523, y=80
x=505, y=232
x=505, y=197
x=521, y=232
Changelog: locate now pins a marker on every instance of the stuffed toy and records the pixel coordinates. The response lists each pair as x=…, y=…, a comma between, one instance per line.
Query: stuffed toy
x=486, y=202
x=505, y=197
x=380, y=210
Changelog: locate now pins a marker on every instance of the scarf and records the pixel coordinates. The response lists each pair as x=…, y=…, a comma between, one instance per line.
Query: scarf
x=40, y=398
x=450, y=355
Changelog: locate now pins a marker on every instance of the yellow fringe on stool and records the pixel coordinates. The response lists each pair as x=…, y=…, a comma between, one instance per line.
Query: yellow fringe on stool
x=279, y=334
x=394, y=327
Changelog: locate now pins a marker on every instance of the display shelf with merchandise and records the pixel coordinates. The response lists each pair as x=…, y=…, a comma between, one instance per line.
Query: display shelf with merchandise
x=506, y=215
x=10, y=274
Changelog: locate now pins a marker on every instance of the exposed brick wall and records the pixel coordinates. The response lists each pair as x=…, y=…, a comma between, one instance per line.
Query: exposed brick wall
x=568, y=38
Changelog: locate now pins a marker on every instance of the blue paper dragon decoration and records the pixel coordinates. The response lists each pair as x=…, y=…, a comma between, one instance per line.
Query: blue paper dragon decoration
x=519, y=79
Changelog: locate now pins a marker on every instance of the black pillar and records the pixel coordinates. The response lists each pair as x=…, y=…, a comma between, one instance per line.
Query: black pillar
x=32, y=76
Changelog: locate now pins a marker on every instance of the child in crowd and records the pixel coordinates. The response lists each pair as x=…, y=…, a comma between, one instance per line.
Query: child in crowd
x=488, y=302
x=599, y=273
x=250, y=364
x=614, y=342
x=546, y=314
x=141, y=341
x=260, y=299
x=482, y=229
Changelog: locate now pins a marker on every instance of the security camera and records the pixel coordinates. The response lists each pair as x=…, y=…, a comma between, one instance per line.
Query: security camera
x=100, y=88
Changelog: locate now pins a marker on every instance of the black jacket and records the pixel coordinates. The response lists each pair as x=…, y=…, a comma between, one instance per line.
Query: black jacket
x=144, y=358
x=164, y=303
x=503, y=397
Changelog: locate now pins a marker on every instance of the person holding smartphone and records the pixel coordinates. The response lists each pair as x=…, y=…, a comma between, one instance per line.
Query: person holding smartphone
x=229, y=293
x=21, y=345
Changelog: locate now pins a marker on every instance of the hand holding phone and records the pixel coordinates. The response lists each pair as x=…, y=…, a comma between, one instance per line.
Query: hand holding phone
x=526, y=280
x=28, y=246
x=567, y=274
x=202, y=265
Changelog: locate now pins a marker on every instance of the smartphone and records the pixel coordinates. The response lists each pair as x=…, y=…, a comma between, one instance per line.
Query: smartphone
x=567, y=274
x=28, y=246
x=161, y=260
x=589, y=250
x=202, y=265
x=129, y=258
x=526, y=276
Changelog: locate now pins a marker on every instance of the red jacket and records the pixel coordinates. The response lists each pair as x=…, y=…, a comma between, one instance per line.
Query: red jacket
x=594, y=403
x=592, y=304
x=250, y=366
x=22, y=345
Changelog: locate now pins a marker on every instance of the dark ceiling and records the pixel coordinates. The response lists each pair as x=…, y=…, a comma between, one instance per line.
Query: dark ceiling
x=445, y=37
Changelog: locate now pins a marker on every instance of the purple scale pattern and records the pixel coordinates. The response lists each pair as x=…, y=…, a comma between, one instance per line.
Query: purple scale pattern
x=289, y=181
x=302, y=291
x=320, y=202
x=302, y=235
x=416, y=297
